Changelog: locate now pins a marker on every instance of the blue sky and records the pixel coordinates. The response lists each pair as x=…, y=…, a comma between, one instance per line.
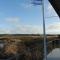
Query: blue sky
x=21, y=17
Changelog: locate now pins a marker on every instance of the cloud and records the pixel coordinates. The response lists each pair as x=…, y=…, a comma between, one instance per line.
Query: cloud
x=26, y=5
x=14, y=26
x=29, y=29
x=55, y=25
x=4, y=31
x=22, y=30
x=12, y=20
x=54, y=28
x=18, y=28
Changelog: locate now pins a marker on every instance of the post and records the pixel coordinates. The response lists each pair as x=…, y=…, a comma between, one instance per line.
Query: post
x=44, y=32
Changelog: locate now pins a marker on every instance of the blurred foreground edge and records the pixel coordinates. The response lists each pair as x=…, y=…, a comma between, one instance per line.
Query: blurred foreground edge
x=56, y=5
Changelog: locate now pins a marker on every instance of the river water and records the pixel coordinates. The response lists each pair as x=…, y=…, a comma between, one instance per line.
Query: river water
x=54, y=55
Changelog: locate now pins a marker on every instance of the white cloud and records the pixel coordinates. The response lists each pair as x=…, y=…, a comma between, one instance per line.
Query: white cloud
x=26, y=5
x=29, y=29
x=54, y=28
x=22, y=30
x=18, y=28
x=4, y=31
x=13, y=20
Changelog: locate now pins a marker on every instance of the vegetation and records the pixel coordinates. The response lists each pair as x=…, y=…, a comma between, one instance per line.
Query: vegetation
x=26, y=47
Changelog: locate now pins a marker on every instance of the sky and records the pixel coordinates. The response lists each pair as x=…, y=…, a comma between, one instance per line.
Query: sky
x=22, y=17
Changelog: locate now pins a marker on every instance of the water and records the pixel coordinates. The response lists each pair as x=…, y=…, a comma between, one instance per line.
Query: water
x=53, y=59
x=2, y=43
x=54, y=55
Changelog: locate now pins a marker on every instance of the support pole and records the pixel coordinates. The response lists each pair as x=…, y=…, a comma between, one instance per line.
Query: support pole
x=44, y=32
